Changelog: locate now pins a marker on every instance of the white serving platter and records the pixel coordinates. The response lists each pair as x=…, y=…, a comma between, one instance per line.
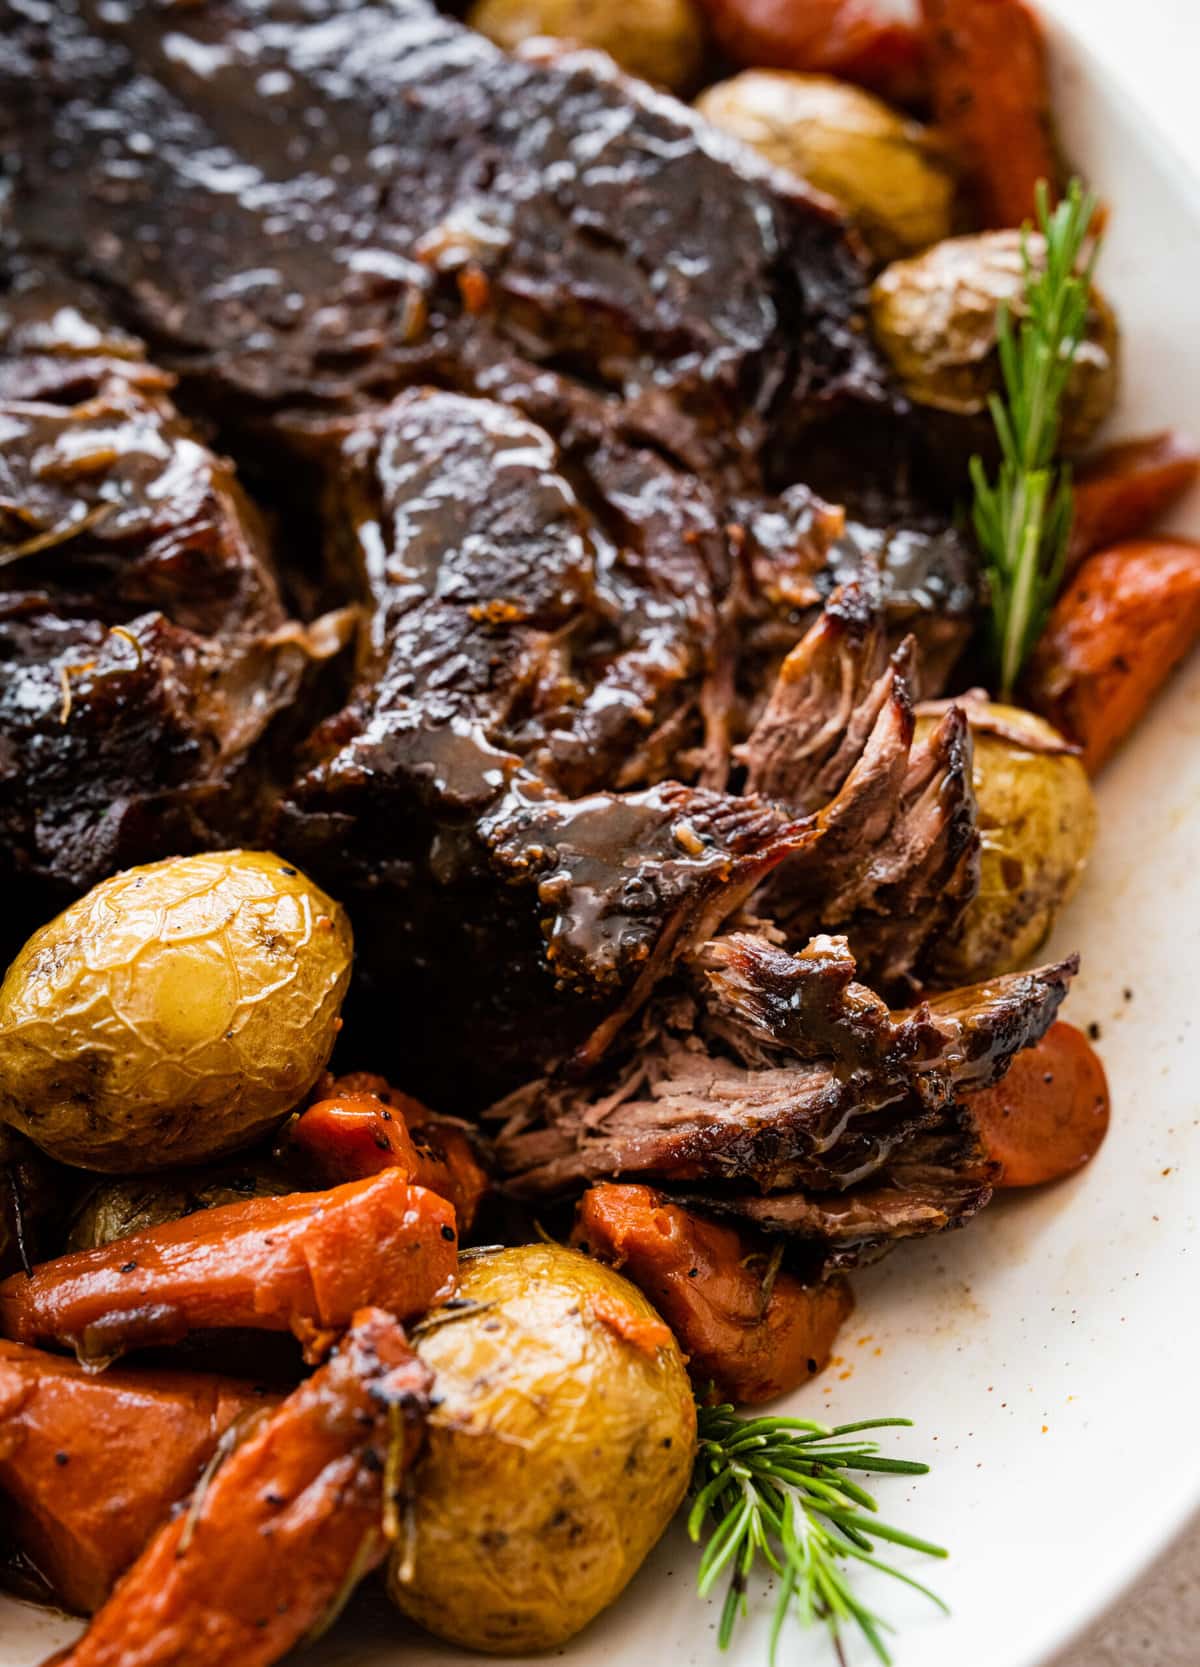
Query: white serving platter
x=1049, y=1354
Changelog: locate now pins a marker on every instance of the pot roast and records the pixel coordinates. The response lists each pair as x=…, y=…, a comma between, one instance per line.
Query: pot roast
x=564, y=409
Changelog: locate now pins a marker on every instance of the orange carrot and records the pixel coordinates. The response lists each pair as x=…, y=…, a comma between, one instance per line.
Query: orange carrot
x=350, y=1135
x=1125, y=620
x=749, y=1335
x=1049, y=1115
x=93, y=1464
x=853, y=39
x=991, y=96
x=288, y=1524
x=1123, y=490
x=302, y=1263
x=638, y=1330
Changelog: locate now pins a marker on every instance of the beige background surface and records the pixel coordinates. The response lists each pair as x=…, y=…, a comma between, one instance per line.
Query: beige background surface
x=1157, y=1625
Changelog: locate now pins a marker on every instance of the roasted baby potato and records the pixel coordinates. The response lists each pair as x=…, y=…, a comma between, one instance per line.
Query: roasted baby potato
x=889, y=174
x=560, y=1448
x=935, y=317
x=1037, y=821
x=131, y=1203
x=660, y=40
x=174, y=1013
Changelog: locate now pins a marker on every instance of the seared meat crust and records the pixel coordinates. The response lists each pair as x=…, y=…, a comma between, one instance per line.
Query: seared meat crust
x=147, y=664
x=309, y=204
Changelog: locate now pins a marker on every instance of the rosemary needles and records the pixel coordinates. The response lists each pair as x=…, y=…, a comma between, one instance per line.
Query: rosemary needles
x=1023, y=517
x=774, y=1495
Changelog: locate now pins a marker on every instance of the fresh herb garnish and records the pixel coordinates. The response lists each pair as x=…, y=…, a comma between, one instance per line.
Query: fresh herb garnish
x=774, y=1494
x=1023, y=518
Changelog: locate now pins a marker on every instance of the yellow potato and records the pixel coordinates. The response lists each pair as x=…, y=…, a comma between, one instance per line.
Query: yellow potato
x=660, y=40
x=174, y=1013
x=889, y=173
x=935, y=318
x=560, y=1448
x=1037, y=823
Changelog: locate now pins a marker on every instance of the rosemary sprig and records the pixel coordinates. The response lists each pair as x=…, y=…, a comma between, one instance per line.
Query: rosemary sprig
x=1023, y=518
x=775, y=1493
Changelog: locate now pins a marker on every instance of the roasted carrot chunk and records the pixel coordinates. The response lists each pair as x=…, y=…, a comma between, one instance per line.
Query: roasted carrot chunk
x=93, y=1464
x=1049, y=1115
x=289, y=1521
x=1125, y=620
x=854, y=39
x=302, y=1263
x=991, y=97
x=749, y=1335
x=1122, y=491
x=350, y=1135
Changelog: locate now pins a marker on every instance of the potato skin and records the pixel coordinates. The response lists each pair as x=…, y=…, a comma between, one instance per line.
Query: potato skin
x=935, y=318
x=127, y=1204
x=887, y=172
x=1037, y=821
x=174, y=1013
x=557, y=1454
x=662, y=41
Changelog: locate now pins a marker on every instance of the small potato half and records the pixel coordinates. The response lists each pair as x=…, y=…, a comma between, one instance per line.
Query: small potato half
x=559, y=1449
x=1037, y=822
x=935, y=318
x=660, y=40
x=174, y=1013
x=889, y=173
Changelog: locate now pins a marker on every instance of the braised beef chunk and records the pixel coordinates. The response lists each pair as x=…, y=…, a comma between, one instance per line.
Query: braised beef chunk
x=538, y=640
x=308, y=206
x=797, y=550
x=58, y=341
x=937, y=1181
x=786, y=1092
x=929, y=577
x=309, y=201
x=516, y=654
x=811, y=1005
x=144, y=650
x=897, y=853
x=574, y=627
x=623, y=878
x=541, y=635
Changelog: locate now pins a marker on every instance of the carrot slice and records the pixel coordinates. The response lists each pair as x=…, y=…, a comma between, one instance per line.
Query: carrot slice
x=93, y=1464
x=853, y=39
x=350, y=1135
x=991, y=96
x=1125, y=620
x=302, y=1263
x=287, y=1525
x=1049, y=1115
x=1123, y=490
x=748, y=1334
